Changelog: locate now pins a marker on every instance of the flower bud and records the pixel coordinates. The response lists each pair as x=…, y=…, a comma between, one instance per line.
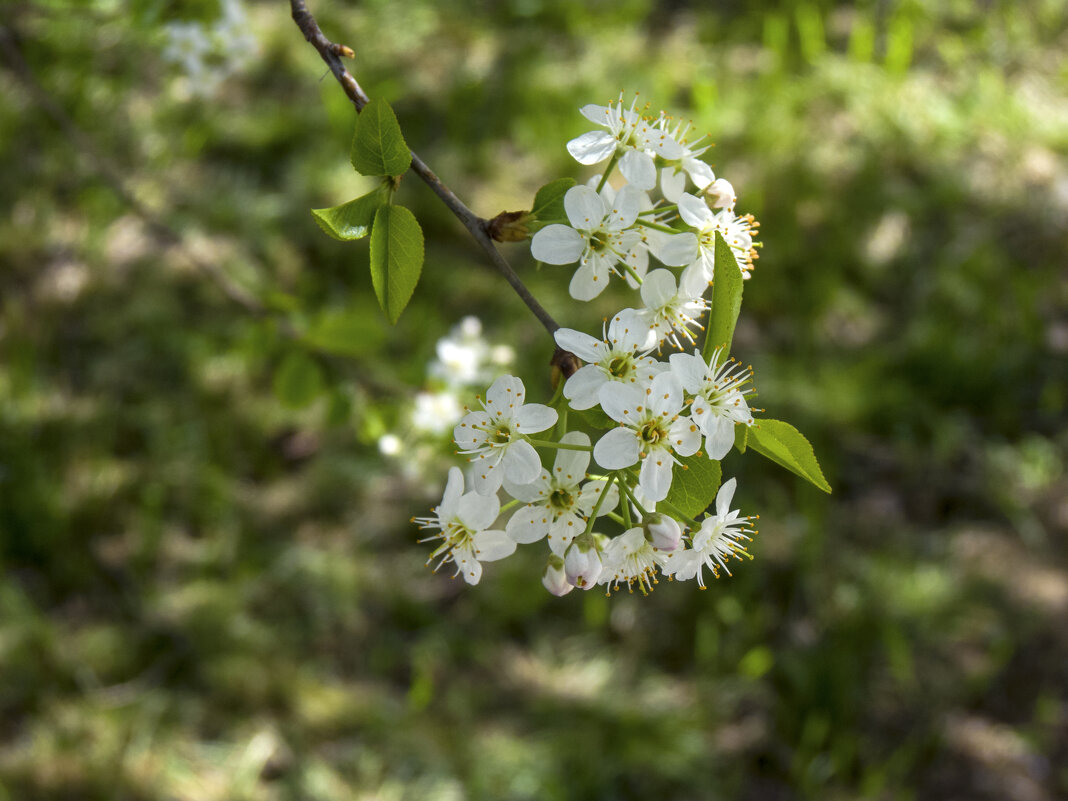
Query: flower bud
x=554, y=579
x=583, y=563
x=721, y=194
x=662, y=532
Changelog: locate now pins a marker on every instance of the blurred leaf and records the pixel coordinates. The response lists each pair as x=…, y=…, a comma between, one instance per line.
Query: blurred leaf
x=726, y=300
x=396, y=258
x=351, y=220
x=756, y=662
x=695, y=484
x=343, y=332
x=298, y=380
x=786, y=446
x=378, y=147
x=549, y=201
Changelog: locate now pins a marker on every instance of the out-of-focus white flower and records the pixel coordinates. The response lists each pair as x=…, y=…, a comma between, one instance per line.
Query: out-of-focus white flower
x=463, y=523
x=390, y=445
x=435, y=412
x=497, y=436
x=719, y=394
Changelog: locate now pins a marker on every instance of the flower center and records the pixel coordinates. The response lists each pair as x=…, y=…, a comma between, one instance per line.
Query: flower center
x=652, y=432
x=502, y=435
x=599, y=241
x=620, y=366
x=561, y=500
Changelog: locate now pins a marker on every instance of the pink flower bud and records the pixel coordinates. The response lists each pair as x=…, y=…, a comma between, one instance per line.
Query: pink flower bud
x=554, y=579
x=662, y=532
x=721, y=194
x=583, y=563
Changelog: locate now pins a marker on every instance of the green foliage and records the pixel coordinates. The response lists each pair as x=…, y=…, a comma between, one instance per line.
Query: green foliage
x=726, y=301
x=396, y=258
x=697, y=480
x=786, y=446
x=378, y=147
x=351, y=220
x=549, y=201
x=298, y=381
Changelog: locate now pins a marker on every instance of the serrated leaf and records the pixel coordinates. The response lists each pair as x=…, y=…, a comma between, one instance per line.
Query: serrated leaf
x=694, y=484
x=298, y=380
x=396, y=258
x=378, y=146
x=549, y=201
x=350, y=220
x=786, y=446
x=726, y=300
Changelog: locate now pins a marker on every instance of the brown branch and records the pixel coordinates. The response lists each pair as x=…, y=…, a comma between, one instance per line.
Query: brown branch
x=476, y=225
x=85, y=145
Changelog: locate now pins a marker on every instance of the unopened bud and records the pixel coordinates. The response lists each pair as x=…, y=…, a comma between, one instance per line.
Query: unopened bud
x=662, y=532
x=721, y=194
x=509, y=226
x=583, y=563
x=554, y=579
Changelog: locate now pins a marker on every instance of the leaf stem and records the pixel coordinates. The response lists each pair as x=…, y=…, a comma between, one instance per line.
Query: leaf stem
x=566, y=446
x=597, y=505
x=656, y=226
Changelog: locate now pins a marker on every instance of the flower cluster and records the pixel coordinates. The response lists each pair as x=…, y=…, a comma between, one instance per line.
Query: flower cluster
x=646, y=404
x=209, y=53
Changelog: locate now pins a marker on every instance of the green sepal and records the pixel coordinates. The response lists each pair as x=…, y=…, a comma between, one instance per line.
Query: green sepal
x=786, y=446
x=352, y=220
x=396, y=258
x=694, y=484
x=726, y=300
x=378, y=146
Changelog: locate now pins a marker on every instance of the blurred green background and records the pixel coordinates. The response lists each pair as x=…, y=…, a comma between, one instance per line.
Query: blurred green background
x=210, y=588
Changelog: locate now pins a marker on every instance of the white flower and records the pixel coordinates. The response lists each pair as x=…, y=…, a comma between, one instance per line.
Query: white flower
x=435, y=412
x=669, y=310
x=719, y=397
x=630, y=558
x=736, y=231
x=718, y=540
x=583, y=565
x=626, y=133
x=673, y=173
x=390, y=445
x=554, y=579
x=721, y=194
x=462, y=522
x=650, y=430
x=498, y=436
x=557, y=505
x=600, y=237
x=663, y=532
x=462, y=355
x=619, y=357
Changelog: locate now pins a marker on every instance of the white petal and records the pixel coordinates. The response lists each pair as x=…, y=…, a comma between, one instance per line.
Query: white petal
x=621, y=402
x=584, y=208
x=674, y=250
x=533, y=417
x=624, y=209
x=486, y=472
x=563, y=531
x=581, y=389
x=557, y=244
x=478, y=511
x=591, y=492
x=536, y=491
x=700, y=173
x=665, y=395
x=589, y=280
x=694, y=211
x=638, y=168
x=695, y=279
x=690, y=369
x=592, y=147
x=598, y=115
x=468, y=564
x=570, y=466
x=618, y=448
x=521, y=462
x=468, y=433
x=672, y=182
x=529, y=524
x=685, y=437
x=658, y=288
x=582, y=345
x=683, y=564
x=504, y=396
x=454, y=488
x=721, y=439
x=655, y=477
x=725, y=496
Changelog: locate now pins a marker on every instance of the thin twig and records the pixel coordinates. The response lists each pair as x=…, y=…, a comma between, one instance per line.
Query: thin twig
x=85, y=145
x=471, y=221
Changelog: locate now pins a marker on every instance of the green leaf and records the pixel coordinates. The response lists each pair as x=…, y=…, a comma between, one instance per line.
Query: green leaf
x=786, y=446
x=378, y=147
x=694, y=485
x=351, y=220
x=396, y=258
x=298, y=380
x=726, y=300
x=741, y=437
x=549, y=202
x=344, y=332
